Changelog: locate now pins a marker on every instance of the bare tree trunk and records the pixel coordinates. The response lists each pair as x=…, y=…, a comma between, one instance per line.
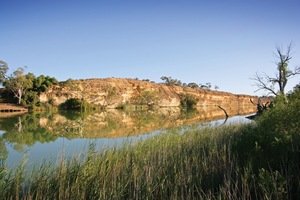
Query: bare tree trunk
x=19, y=96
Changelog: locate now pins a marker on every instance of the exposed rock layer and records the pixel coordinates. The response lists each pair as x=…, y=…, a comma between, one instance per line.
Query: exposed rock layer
x=114, y=92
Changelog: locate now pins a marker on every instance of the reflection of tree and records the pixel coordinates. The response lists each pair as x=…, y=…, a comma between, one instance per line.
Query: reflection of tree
x=188, y=113
x=75, y=114
x=25, y=130
x=3, y=150
x=18, y=125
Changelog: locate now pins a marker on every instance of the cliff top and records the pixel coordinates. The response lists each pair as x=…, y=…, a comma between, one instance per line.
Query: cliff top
x=119, y=82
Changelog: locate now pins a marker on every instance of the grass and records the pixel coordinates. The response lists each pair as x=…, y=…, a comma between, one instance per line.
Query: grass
x=252, y=161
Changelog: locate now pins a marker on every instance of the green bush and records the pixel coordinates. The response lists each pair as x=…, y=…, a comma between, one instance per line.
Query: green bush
x=188, y=101
x=77, y=104
x=270, y=147
x=71, y=104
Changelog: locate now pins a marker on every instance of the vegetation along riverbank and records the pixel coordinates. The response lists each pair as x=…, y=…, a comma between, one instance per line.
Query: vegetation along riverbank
x=259, y=160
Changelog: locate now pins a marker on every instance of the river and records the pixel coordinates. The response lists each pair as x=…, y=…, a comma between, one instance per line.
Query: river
x=48, y=136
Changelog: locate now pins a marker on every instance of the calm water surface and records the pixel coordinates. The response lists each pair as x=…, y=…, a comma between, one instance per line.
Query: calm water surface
x=47, y=136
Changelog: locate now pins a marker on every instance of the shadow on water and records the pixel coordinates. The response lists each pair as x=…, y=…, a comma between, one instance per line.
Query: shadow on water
x=45, y=132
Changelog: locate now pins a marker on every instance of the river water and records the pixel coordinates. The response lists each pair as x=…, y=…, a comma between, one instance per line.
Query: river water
x=48, y=136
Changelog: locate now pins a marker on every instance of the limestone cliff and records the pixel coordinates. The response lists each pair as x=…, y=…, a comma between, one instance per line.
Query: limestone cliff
x=114, y=92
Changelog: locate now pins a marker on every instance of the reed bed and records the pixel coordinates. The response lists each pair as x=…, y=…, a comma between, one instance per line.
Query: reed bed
x=228, y=162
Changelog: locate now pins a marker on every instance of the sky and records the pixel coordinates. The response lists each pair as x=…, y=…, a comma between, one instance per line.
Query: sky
x=221, y=42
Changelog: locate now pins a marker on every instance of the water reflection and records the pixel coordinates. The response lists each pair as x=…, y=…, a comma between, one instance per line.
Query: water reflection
x=45, y=134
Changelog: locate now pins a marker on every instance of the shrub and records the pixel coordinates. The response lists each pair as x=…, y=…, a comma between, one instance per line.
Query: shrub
x=77, y=104
x=188, y=101
x=145, y=98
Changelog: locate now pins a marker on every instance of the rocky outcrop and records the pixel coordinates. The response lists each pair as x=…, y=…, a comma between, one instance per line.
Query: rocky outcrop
x=115, y=92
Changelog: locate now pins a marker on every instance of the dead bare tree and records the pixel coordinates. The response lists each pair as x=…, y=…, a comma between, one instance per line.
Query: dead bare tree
x=225, y=115
x=260, y=106
x=265, y=82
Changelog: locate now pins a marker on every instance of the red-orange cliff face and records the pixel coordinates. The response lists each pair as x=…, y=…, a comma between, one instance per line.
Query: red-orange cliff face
x=114, y=92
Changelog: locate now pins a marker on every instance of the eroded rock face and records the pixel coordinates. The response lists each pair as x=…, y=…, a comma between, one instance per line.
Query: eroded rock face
x=114, y=92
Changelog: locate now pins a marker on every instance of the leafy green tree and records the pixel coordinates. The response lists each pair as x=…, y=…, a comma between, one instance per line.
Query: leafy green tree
x=18, y=83
x=39, y=84
x=171, y=81
x=193, y=85
x=25, y=87
x=188, y=101
x=77, y=104
x=3, y=70
x=205, y=86
x=295, y=94
x=42, y=83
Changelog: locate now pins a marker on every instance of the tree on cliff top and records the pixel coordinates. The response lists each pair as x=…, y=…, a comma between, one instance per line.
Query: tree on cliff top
x=265, y=82
x=170, y=81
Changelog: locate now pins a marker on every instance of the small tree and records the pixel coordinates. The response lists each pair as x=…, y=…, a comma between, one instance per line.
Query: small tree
x=18, y=83
x=207, y=86
x=3, y=70
x=188, y=101
x=25, y=87
x=193, y=85
x=265, y=82
x=170, y=81
x=42, y=83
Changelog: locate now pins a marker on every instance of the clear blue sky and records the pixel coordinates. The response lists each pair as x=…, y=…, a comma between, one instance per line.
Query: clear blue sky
x=222, y=42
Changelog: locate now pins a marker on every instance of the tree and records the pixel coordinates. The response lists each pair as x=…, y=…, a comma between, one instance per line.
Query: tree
x=295, y=94
x=171, y=81
x=25, y=87
x=207, y=86
x=18, y=83
x=188, y=101
x=3, y=71
x=42, y=83
x=193, y=85
x=265, y=82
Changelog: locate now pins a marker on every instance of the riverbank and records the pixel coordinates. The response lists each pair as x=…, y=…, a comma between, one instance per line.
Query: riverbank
x=253, y=161
x=9, y=109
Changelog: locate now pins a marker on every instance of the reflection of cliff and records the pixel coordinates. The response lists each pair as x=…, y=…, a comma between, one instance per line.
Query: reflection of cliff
x=44, y=128
x=113, y=92
x=24, y=130
x=115, y=123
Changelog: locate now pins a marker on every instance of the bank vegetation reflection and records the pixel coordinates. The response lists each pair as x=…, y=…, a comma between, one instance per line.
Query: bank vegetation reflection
x=47, y=127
